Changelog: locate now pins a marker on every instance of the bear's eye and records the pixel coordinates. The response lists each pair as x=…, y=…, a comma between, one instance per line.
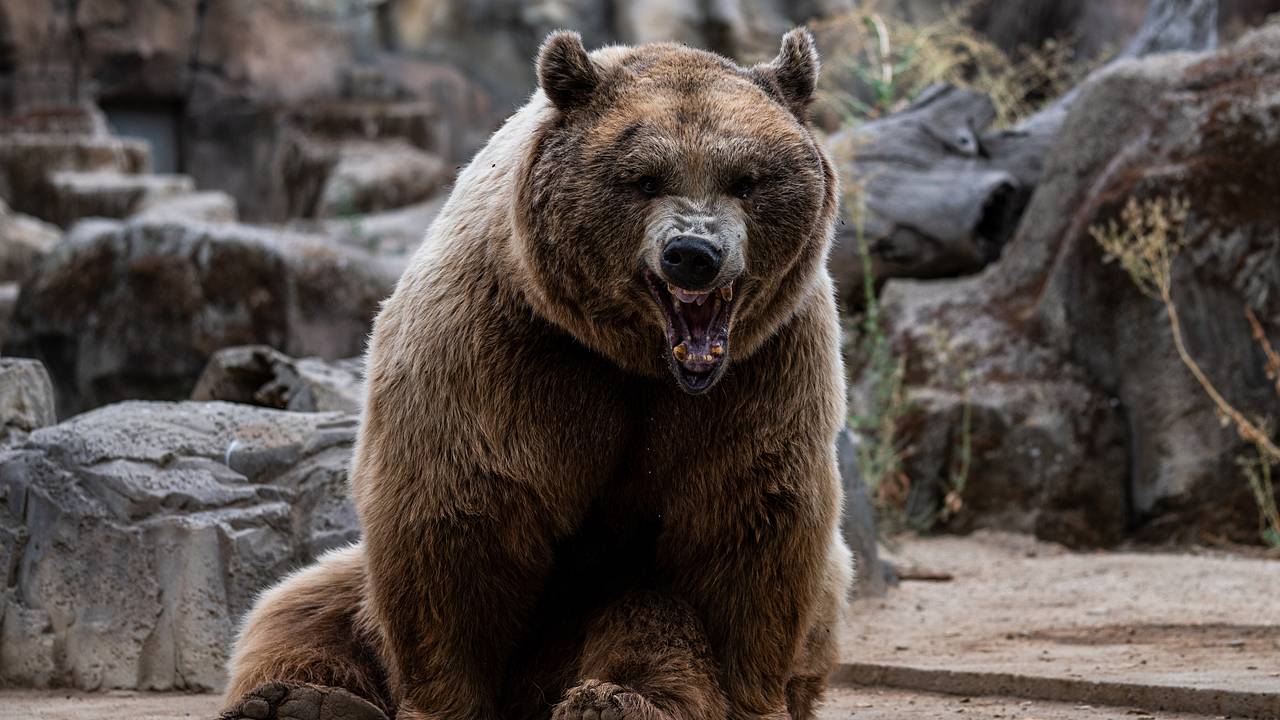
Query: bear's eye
x=742, y=187
x=649, y=185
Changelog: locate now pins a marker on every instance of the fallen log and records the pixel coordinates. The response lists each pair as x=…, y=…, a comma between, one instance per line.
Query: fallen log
x=938, y=193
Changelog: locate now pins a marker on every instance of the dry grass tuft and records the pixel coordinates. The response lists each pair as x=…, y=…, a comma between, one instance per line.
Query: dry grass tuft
x=875, y=64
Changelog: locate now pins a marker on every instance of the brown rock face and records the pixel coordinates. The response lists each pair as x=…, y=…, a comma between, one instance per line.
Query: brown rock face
x=1084, y=417
x=134, y=310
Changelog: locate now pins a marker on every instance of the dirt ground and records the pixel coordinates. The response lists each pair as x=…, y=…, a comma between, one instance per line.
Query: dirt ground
x=1010, y=627
x=1177, y=630
x=842, y=704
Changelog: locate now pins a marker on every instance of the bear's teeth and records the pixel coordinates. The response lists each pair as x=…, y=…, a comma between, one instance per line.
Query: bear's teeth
x=726, y=293
x=686, y=297
x=717, y=350
x=681, y=352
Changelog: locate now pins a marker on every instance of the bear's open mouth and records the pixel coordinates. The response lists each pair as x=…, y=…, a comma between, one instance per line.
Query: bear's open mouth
x=697, y=331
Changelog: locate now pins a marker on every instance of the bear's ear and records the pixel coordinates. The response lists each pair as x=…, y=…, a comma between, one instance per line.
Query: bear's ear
x=565, y=73
x=795, y=70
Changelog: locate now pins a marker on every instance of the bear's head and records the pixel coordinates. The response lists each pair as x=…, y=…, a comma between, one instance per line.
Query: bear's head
x=674, y=208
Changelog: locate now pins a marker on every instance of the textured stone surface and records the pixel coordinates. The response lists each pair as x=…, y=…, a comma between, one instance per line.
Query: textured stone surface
x=23, y=241
x=260, y=375
x=328, y=178
x=858, y=523
x=212, y=206
x=29, y=160
x=75, y=194
x=135, y=536
x=26, y=399
x=135, y=310
x=1085, y=421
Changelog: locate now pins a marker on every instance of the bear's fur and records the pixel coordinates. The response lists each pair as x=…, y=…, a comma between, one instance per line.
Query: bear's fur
x=552, y=526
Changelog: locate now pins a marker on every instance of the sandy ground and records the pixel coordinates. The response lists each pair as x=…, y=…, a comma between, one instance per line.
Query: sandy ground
x=842, y=704
x=999, y=608
x=1018, y=606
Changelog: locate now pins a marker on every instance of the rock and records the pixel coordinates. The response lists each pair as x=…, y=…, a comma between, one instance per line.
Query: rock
x=26, y=399
x=135, y=309
x=936, y=199
x=27, y=161
x=936, y=191
x=392, y=234
x=8, y=302
x=136, y=536
x=496, y=40
x=375, y=177
x=346, y=179
x=1045, y=448
x=75, y=194
x=858, y=523
x=23, y=241
x=259, y=375
x=1203, y=128
x=213, y=206
x=1085, y=423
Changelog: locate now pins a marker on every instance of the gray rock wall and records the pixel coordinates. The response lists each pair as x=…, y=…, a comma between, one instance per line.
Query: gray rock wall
x=136, y=536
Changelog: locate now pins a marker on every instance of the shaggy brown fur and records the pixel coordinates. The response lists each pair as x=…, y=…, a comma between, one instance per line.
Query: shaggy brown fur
x=552, y=526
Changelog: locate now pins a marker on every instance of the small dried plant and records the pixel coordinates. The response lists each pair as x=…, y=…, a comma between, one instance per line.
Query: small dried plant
x=875, y=63
x=880, y=415
x=951, y=365
x=1145, y=242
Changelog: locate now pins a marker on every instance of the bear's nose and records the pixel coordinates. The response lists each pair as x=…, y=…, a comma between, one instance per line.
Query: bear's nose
x=691, y=262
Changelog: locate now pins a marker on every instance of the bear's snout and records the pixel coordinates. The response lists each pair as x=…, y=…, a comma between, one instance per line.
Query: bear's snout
x=691, y=262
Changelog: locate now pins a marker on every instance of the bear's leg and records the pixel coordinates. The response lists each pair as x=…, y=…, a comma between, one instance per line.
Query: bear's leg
x=303, y=651
x=760, y=593
x=645, y=658
x=821, y=648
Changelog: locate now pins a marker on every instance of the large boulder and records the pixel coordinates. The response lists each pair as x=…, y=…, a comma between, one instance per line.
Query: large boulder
x=135, y=309
x=1084, y=421
x=1020, y=433
x=1205, y=129
x=136, y=536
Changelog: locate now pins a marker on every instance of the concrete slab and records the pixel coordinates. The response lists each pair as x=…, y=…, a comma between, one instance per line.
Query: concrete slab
x=1172, y=632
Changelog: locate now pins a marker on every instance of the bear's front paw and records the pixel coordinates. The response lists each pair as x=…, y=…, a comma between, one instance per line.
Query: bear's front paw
x=599, y=700
x=298, y=701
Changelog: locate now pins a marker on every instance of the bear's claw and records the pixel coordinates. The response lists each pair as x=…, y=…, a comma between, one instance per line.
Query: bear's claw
x=294, y=701
x=599, y=700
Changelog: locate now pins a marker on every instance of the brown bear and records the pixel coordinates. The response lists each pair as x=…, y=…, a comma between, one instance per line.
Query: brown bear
x=596, y=471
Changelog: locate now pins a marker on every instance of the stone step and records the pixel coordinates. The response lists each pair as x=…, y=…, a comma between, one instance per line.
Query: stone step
x=27, y=159
x=204, y=205
x=415, y=122
x=348, y=178
x=106, y=193
x=22, y=152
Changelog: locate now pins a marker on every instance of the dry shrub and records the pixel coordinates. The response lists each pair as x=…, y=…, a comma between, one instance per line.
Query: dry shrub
x=875, y=64
x=1145, y=242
